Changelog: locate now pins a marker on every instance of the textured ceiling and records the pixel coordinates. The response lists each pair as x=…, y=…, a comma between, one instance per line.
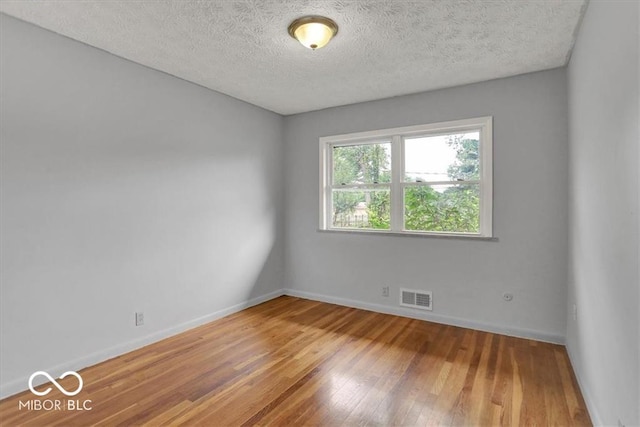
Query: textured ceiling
x=383, y=48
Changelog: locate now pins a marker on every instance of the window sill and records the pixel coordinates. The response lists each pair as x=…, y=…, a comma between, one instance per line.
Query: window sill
x=409, y=234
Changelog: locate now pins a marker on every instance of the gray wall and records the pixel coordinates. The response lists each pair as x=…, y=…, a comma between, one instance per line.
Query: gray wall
x=467, y=277
x=603, y=263
x=123, y=190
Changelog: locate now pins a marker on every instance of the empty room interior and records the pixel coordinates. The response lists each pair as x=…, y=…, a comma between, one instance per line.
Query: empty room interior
x=247, y=212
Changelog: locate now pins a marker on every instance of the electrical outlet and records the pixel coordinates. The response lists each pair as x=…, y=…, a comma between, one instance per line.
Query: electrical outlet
x=139, y=318
x=385, y=291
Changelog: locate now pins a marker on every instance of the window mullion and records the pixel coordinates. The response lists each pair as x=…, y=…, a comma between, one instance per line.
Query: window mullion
x=397, y=172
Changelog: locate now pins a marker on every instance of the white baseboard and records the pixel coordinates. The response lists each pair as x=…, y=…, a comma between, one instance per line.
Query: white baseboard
x=586, y=394
x=431, y=317
x=20, y=385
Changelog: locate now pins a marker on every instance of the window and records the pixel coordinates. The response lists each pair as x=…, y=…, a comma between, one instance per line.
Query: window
x=427, y=179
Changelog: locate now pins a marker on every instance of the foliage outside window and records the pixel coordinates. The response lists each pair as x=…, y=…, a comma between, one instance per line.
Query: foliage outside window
x=429, y=179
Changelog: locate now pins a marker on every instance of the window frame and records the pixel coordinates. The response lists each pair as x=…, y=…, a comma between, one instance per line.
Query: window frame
x=397, y=136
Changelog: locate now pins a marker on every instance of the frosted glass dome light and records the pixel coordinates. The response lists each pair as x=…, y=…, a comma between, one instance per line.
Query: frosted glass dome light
x=313, y=32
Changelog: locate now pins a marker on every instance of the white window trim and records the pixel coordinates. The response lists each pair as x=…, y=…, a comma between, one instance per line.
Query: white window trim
x=396, y=136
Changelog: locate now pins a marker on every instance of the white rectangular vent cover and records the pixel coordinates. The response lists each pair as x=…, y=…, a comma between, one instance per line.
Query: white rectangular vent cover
x=416, y=299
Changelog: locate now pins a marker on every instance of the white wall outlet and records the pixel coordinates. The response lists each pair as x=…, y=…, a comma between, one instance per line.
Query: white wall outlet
x=139, y=318
x=385, y=291
x=507, y=296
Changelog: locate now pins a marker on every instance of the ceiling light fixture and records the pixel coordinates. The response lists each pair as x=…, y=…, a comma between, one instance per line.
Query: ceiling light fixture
x=313, y=31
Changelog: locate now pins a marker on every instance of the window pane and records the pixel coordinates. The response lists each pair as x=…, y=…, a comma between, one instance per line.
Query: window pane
x=362, y=164
x=445, y=208
x=358, y=208
x=453, y=157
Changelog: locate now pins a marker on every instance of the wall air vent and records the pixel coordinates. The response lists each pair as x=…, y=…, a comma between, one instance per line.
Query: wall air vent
x=416, y=299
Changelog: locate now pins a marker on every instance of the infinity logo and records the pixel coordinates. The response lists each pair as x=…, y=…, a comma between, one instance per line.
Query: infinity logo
x=58, y=386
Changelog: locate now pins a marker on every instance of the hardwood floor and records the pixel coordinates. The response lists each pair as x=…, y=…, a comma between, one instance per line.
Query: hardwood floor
x=297, y=362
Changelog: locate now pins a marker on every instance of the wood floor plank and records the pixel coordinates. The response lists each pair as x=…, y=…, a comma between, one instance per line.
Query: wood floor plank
x=292, y=361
